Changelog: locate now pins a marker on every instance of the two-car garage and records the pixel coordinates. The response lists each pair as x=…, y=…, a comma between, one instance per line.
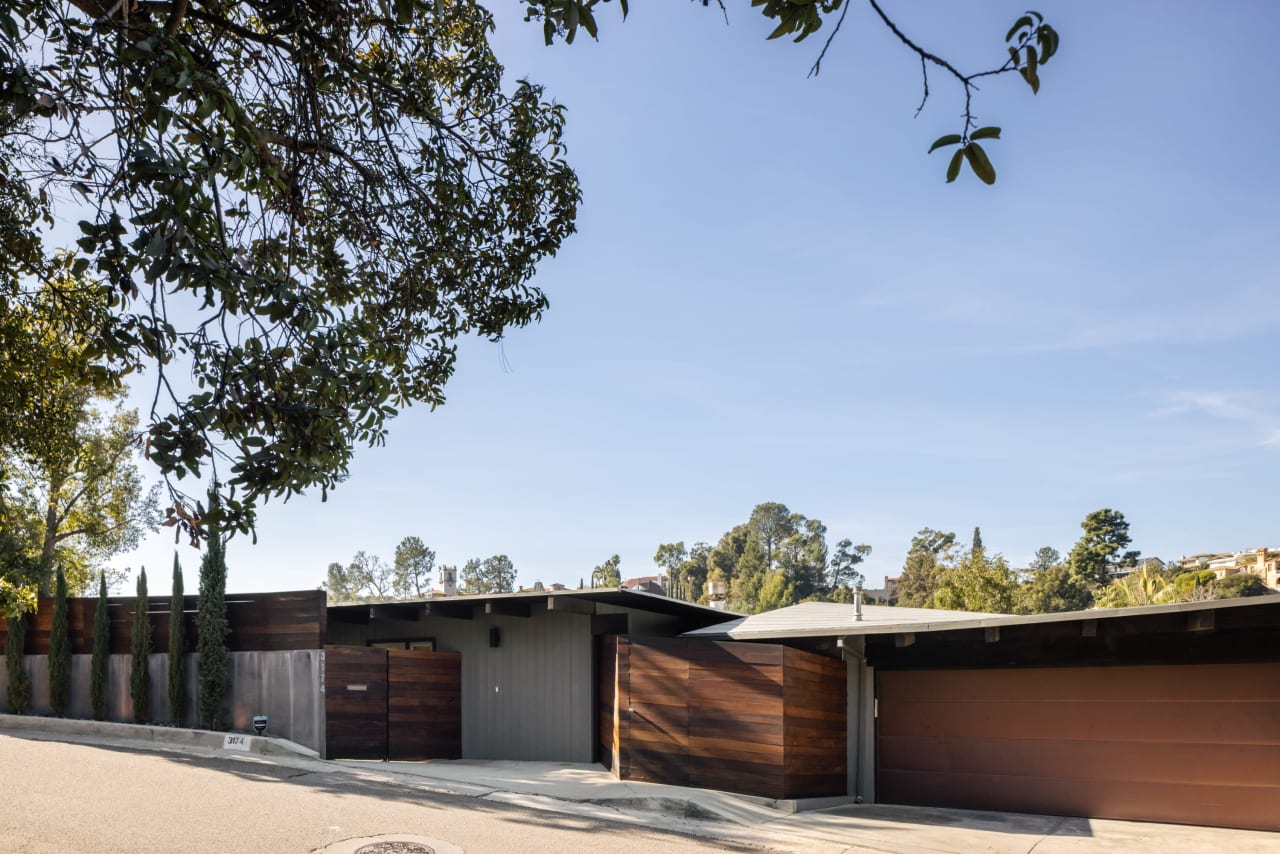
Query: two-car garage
x=1172, y=743
x=1168, y=713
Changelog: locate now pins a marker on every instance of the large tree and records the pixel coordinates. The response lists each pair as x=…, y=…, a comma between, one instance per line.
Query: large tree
x=608, y=573
x=84, y=495
x=1101, y=550
x=977, y=583
x=414, y=563
x=842, y=572
x=925, y=561
x=299, y=208
x=496, y=574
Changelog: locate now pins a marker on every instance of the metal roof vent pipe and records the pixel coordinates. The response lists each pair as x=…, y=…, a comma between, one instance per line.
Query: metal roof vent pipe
x=857, y=603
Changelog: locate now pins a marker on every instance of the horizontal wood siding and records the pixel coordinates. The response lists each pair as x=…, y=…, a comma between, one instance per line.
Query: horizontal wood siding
x=424, y=705
x=815, y=693
x=715, y=715
x=259, y=622
x=355, y=702
x=1197, y=744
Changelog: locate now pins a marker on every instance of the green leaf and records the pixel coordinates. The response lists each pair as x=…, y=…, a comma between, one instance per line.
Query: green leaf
x=985, y=133
x=981, y=165
x=953, y=169
x=548, y=30
x=1024, y=21
x=589, y=22
x=782, y=30
x=949, y=139
x=623, y=3
x=1039, y=17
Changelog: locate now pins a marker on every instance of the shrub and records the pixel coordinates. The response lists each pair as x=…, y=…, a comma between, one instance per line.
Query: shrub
x=177, y=646
x=139, y=679
x=1240, y=584
x=99, y=664
x=59, y=649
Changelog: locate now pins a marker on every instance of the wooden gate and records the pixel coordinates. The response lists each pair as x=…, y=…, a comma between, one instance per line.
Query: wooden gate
x=424, y=704
x=392, y=704
x=355, y=702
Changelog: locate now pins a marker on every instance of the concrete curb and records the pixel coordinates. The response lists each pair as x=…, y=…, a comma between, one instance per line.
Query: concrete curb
x=146, y=733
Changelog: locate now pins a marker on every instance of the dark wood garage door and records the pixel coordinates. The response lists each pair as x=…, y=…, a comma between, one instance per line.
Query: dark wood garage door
x=1193, y=744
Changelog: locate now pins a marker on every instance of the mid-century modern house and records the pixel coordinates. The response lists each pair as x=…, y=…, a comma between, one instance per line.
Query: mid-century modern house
x=1167, y=713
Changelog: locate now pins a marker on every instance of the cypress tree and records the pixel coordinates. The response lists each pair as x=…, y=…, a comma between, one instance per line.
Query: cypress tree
x=139, y=680
x=98, y=668
x=177, y=646
x=19, y=681
x=59, y=649
x=977, y=547
x=212, y=664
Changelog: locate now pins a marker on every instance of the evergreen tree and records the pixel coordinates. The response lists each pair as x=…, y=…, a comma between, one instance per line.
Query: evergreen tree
x=749, y=577
x=59, y=649
x=14, y=650
x=212, y=662
x=977, y=548
x=139, y=678
x=99, y=664
x=177, y=646
x=926, y=561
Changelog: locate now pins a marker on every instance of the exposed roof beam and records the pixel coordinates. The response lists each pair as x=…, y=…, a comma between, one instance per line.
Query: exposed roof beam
x=390, y=611
x=507, y=608
x=570, y=605
x=452, y=610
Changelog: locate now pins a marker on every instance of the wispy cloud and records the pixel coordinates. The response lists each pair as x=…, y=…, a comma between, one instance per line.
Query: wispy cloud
x=1247, y=408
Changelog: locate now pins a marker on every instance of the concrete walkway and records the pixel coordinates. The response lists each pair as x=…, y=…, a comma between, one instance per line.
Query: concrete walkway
x=588, y=791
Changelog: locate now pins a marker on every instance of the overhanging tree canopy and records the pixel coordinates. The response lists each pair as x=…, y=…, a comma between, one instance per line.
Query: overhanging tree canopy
x=296, y=207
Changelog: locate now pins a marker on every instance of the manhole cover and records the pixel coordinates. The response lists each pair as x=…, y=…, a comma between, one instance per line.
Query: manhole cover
x=391, y=843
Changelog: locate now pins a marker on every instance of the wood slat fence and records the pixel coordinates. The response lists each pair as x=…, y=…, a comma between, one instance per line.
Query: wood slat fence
x=258, y=622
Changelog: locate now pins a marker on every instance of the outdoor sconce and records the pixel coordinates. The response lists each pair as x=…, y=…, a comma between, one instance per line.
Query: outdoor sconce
x=495, y=637
x=259, y=724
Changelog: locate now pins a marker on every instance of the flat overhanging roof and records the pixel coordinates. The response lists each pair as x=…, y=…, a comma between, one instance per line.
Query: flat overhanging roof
x=572, y=601
x=829, y=619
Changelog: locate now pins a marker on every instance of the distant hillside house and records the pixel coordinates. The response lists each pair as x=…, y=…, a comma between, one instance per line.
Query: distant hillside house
x=1264, y=563
x=646, y=584
x=1153, y=564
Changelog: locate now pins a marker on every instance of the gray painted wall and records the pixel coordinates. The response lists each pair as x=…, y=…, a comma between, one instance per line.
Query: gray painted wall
x=530, y=698
x=285, y=686
x=860, y=722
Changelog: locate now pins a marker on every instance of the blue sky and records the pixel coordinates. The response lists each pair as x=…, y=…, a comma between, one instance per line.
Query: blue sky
x=773, y=296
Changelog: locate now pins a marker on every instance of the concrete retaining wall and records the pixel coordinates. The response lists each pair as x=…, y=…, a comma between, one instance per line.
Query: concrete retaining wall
x=285, y=686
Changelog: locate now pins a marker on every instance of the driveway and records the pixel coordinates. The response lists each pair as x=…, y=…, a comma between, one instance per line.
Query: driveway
x=118, y=796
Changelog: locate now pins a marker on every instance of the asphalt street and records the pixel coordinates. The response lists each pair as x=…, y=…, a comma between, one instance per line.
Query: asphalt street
x=57, y=798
